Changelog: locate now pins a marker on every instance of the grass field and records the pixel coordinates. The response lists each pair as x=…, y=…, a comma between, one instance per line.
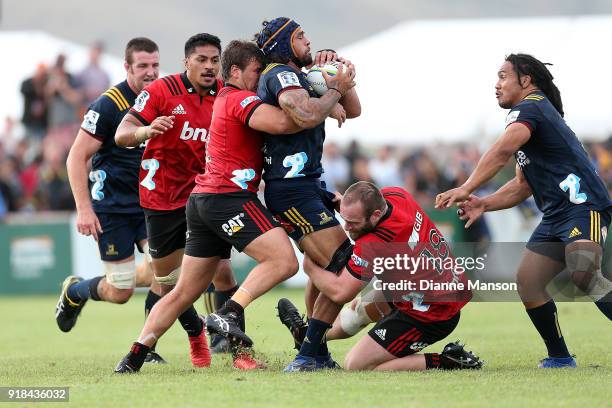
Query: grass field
x=33, y=352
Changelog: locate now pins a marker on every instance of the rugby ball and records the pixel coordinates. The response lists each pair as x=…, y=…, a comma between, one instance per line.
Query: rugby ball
x=315, y=76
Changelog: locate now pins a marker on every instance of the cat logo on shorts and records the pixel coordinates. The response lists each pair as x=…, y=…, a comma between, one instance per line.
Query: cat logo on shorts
x=233, y=225
x=111, y=251
x=324, y=218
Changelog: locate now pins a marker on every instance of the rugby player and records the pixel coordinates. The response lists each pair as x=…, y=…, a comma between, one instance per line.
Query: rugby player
x=553, y=166
x=293, y=191
x=173, y=116
x=108, y=209
x=387, y=216
x=224, y=211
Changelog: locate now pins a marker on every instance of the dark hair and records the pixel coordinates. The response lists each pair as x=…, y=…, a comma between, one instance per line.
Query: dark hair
x=368, y=194
x=139, y=44
x=267, y=31
x=198, y=40
x=541, y=77
x=239, y=53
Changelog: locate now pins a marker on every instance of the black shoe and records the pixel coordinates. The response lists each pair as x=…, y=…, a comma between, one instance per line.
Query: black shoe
x=455, y=357
x=219, y=344
x=66, y=311
x=290, y=317
x=154, y=358
x=124, y=367
x=228, y=326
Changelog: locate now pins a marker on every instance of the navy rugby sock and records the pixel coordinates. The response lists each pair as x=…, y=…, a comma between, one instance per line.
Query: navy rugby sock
x=315, y=338
x=544, y=318
x=84, y=290
x=605, y=305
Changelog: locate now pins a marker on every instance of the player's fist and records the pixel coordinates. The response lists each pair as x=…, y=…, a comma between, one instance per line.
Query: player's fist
x=339, y=114
x=160, y=125
x=470, y=210
x=88, y=223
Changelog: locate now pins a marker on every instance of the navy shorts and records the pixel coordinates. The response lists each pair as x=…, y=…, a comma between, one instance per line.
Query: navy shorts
x=121, y=233
x=552, y=235
x=302, y=205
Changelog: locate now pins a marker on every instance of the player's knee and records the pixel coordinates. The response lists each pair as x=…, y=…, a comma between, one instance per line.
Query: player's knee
x=354, y=318
x=290, y=267
x=583, y=266
x=121, y=276
x=351, y=363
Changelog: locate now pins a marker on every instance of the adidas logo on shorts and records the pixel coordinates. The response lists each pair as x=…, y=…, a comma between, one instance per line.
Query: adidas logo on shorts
x=381, y=333
x=179, y=110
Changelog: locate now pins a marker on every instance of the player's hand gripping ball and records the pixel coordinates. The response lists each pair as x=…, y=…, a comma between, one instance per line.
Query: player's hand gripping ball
x=315, y=77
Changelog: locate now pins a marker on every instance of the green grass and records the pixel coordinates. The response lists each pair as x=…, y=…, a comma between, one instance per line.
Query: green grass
x=33, y=352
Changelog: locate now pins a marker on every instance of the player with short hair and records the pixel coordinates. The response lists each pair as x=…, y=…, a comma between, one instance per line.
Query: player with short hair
x=387, y=216
x=553, y=166
x=294, y=193
x=108, y=209
x=173, y=116
x=224, y=212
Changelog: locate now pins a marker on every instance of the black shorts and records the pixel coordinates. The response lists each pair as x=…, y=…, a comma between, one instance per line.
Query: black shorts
x=302, y=205
x=121, y=233
x=218, y=222
x=166, y=231
x=402, y=335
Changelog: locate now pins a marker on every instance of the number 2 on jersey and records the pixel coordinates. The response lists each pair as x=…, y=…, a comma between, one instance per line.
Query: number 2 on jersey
x=97, y=177
x=152, y=165
x=572, y=183
x=296, y=162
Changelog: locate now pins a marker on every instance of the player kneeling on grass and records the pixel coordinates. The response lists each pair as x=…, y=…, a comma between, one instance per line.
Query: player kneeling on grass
x=224, y=211
x=390, y=216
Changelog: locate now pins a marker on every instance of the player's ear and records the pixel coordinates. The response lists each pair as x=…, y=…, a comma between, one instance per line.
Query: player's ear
x=186, y=63
x=525, y=81
x=126, y=66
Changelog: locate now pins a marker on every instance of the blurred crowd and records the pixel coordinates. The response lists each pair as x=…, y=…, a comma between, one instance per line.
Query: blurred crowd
x=33, y=150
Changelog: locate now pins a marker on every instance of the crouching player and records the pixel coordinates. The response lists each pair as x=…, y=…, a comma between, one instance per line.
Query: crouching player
x=224, y=211
x=390, y=216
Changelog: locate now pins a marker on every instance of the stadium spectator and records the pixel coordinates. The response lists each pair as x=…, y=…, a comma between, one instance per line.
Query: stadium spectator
x=35, y=106
x=93, y=80
x=385, y=168
x=63, y=96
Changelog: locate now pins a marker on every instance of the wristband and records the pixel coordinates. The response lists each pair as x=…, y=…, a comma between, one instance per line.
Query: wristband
x=336, y=89
x=141, y=134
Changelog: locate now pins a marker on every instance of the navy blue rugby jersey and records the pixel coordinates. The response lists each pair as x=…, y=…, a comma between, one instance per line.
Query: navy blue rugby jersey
x=113, y=180
x=297, y=155
x=557, y=168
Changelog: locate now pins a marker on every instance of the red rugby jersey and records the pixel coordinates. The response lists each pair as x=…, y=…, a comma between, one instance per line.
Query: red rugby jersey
x=172, y=160
x=234, y=157
x=407, y=224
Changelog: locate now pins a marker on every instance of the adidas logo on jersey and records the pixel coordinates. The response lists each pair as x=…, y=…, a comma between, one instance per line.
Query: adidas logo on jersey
x=179, y=110
x=381, y=333
x=575, y=232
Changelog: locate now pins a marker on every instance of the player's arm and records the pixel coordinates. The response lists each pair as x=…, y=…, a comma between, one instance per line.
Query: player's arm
x=308, y=112
x=272, y=120
x=494, y=159
x=132, y=132
x=341, y=288
x=509, y=195
x=84, y=147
